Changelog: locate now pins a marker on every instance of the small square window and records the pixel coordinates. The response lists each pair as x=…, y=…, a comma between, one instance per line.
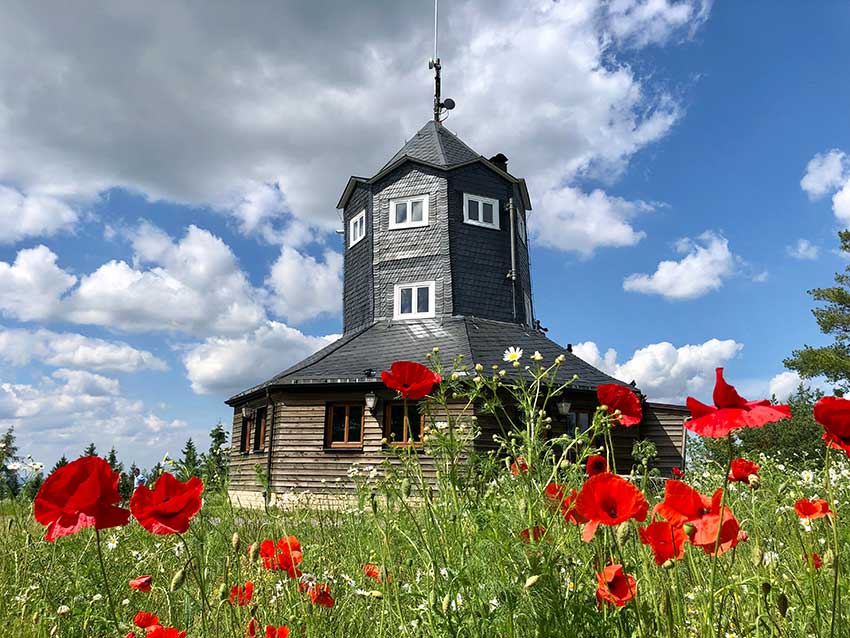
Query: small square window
x=414, y=301
x=409, y=212
x=357, y=228
x=400, y=428
x=344, y=426
x=481, y=211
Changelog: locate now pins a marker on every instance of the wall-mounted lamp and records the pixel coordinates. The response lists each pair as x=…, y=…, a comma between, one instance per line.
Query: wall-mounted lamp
x=563, y=406
x=371, y=400
x=246, y=412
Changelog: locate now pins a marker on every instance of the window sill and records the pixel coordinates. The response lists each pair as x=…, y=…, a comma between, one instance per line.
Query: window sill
x=472, y=222
x=408, y=226
x=343, y=450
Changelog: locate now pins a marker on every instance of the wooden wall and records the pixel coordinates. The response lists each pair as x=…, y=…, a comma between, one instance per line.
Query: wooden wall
x=663, y=424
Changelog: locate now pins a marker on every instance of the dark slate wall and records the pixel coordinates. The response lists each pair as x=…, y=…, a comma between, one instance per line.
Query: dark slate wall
x=414, y=254
x=523, y=263
x=481, y=257
x=357, y=308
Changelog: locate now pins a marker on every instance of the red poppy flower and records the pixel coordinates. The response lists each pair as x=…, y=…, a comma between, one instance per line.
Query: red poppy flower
x=168, y=508
x=742, y=469
x=535, y=534
x=596, y=464
x=413, y=380
x=142, y=583
x=145, y=619
x=165, y=632
x=610, y=500
x=372, y=571
x=816, y=560
x=556, y=494
x=242, y=594
x=833, y=414
x=252, y=627
x=710, y=525
x=682, y=503
x=614, y=586
x=277, y=632
x=678, y=473
x=285, y=555
x=666, y=540
x=731, y=411
x=320, y=594
x=81, y=494
x=618, y=397
x=519, y=466
x=813, y=509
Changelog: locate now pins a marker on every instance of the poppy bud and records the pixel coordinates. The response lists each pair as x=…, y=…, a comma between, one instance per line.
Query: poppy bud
x=531, y=581
x=222, y=592
x=373, y=501
x=432, y=599
x=668, y=564
x=765, y=588
x=782, y=604
x=63, y=610
x=234, y=541
x=253, y=552
x=754, y=481
x=405, y=487
x=689, y=529
x=178, y=580
x=376, y=594
x=756, y=556
x=623, y=530
x=829, y=559
x=447, y=600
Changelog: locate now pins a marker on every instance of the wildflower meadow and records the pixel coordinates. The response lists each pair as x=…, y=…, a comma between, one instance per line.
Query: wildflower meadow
x=543, y=536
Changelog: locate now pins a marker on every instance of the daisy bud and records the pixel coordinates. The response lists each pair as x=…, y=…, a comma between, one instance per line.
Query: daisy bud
x=435, y=349
x=253, y=552
x=384, y=441
x=234, y=541
x=178, y=580
x=63, y=610
x=623, y=530
x=222, y=592
x=560, y=358
x=782, y=604
x=531, y=581
x=603, y=407
x=478, y=367
x=668, y=564
x=428, y=355
x=502, y=373
x=455, y=376
x=754, y=481
x=689, y=529
x=516, y=364
x=405, y=488
x=376, y=594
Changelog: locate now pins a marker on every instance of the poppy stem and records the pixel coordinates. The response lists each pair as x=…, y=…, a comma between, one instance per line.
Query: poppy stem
x=835, y=547
x=717, y=540
x=105, y=580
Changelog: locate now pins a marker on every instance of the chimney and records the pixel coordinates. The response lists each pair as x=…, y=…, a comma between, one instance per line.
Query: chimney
x=500, y=161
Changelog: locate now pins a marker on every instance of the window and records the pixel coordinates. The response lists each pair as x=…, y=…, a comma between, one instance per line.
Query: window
x=481, y=211
x=357, y=228
x=409, y=212
x=259, y=429
x=528, y=316
x=414, y=301
x=578, y=421
x=520, y=227
x=244, y=434
x=344, y=426
x=401, y=428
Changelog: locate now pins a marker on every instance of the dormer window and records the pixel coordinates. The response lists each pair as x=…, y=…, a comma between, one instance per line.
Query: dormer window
x=414, y=301
x=357, y=228
x=481, y=211
x=409, y=212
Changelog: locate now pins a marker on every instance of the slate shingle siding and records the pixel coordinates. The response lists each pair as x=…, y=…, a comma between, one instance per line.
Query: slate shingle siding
x=409, y=255
x=481, y=257
x=357, y=271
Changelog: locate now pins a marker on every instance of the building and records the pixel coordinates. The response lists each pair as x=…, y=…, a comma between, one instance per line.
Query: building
x=436, y=254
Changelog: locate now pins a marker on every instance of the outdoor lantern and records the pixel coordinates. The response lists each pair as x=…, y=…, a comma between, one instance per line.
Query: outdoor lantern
x=563, y=406
x=371, y=399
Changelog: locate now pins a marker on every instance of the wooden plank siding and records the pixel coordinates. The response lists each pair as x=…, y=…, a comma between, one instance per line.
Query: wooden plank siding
x=663, y=424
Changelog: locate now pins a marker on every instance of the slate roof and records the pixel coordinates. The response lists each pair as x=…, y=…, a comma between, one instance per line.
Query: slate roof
x=377, y=346
x=436, y=145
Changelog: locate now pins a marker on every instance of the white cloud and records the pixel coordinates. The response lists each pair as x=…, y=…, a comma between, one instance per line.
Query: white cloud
x=784, y=385
x=303, y=287
x=841, y=204
x=217, y=116
x=706, y=264
x=30, y=288
x=663, y=371
x=34, y=215
x=803, y=249
x=825, y=173
x=224, y=365
x=569, y=219
x=19, y=347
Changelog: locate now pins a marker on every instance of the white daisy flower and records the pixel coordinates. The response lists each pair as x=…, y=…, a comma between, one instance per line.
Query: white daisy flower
x=807, y=477
x=537, y=356
x=512, y=354
x=112, y=542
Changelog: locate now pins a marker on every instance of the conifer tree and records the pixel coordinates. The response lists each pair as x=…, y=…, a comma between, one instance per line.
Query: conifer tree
x=215, y=460
x=190, y=464
x=62, y=462
x=90, y=450
x=9, y=485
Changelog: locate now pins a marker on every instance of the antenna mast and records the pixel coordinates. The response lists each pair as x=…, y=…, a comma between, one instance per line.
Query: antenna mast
x=434, y=63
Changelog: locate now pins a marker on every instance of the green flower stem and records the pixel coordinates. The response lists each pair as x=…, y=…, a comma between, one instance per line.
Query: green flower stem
x=106, y=580
x=836, y=549
x=714, y=557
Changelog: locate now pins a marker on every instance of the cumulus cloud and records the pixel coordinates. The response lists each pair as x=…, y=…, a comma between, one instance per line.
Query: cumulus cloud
x=803, y=249
x=19, y=347
x=570, y=219
x=248, y=142
x=304, y=287
x=825, y=173
x=31, y=287
x=32, y=215
x=225, y=365
x=707, y=262
x=664, y=372
x=784, y=385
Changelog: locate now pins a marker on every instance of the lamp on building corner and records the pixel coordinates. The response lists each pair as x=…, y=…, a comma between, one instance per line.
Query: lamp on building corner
x=563, y=406
x=371, y=400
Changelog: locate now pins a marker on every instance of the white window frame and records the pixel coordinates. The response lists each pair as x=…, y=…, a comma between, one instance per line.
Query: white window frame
x=529, y=317
x=415, y=314
x=424, y=198
x=522, y=231
x=352, y=225
x=467, y=197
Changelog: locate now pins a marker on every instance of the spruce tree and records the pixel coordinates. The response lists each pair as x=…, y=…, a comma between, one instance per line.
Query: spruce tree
x=90, y=450
x=190, y=464
x=60, y=463
x=9, y=484
x=215, y=459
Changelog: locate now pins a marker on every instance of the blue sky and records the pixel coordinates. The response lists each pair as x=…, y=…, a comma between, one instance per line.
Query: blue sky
x=168, y=182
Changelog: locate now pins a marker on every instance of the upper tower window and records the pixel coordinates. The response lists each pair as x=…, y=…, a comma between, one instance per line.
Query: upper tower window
x=414, y=301
x=357, y=228
x=481, y=211
x=409, y=212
